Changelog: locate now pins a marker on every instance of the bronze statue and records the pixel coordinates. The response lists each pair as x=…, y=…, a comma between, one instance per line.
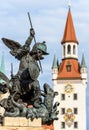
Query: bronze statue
x=25, y=81
x=24, y=87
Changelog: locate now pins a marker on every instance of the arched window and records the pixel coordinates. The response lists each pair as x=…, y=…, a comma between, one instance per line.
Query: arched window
x=64, y=50
x=69, y=49
x=74, y=49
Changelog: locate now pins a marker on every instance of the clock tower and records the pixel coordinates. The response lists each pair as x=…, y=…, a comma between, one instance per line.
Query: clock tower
x=70, y=81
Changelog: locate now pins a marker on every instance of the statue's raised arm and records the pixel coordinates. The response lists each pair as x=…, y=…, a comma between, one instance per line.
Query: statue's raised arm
x=16, y=49
x=29, y=39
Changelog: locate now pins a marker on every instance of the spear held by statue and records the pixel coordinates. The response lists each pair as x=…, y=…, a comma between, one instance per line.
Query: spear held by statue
x=35, y=41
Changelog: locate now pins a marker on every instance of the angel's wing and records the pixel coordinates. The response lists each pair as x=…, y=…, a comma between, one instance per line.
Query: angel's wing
x=13, y=45
x=16, y=49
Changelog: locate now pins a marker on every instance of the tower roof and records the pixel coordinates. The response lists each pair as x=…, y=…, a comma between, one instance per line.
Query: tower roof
x=69, y=32
x=83, y=64
x=54, y=65
x=69, y=69
x=2, y=67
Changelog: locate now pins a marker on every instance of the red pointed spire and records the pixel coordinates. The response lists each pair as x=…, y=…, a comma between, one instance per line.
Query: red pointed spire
x=69, y=33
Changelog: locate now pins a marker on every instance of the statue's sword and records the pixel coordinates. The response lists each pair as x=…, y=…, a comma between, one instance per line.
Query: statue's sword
x=35, y=42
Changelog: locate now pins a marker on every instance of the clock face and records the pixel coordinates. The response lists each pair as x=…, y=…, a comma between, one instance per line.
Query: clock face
x=68, y=88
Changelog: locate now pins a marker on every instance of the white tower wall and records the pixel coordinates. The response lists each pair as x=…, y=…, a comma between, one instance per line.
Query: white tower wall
x=69, y=102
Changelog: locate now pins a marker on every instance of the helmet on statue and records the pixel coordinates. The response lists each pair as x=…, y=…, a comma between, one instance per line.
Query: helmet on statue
x=40, y=47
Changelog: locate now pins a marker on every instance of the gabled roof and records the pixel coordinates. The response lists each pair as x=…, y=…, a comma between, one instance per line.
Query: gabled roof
x=69, y=33
x=74, y=72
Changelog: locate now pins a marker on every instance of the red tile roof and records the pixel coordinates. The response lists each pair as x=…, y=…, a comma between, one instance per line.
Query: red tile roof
x=74, y=73
x=69, y=33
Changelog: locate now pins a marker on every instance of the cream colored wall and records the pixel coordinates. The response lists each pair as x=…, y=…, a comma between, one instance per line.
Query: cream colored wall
x=80, y=89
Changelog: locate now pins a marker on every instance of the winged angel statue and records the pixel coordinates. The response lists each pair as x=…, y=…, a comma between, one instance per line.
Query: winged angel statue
x=26, y=97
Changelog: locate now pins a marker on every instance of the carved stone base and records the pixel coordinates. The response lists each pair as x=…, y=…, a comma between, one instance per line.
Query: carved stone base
x=21, y=123
x=20, y=128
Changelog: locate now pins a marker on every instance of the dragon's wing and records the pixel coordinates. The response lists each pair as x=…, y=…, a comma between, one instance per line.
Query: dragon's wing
x=13, y=45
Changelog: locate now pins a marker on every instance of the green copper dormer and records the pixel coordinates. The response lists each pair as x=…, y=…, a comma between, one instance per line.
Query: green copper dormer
x=55, y=63
x=2, y=67
x=83, y=64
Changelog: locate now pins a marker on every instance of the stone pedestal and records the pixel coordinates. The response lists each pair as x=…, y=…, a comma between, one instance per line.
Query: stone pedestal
x=21, y=123
x=20, y=128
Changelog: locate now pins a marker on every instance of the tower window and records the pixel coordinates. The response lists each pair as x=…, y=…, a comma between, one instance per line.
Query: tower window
x=69, y=49
x=75, y=96
x=75, y=111
x=62, y=96
x=74, y=49
x=64, y=50
x=62, y=125
x=75, y=124
x=68, y=67
x=62, y=111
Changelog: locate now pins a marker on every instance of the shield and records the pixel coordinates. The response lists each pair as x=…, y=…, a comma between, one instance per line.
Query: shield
x=33, y=70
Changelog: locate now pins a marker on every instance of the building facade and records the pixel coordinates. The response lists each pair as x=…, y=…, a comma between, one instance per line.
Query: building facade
x=70, y=81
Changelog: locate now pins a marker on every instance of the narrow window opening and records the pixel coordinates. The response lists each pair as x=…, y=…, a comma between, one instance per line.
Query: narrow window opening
x=75, y=111
x=75, y=124
x=62, y=125
x=69, y=49
x=68, y=67
x=62, y=111
x=64, y=50
x=62, y=96
x=75, y=96
x=74, y=50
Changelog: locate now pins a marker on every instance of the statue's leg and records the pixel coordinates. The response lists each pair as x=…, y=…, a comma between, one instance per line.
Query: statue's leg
x=37, y=94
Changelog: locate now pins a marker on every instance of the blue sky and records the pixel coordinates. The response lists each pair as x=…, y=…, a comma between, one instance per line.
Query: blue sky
x=48, y=18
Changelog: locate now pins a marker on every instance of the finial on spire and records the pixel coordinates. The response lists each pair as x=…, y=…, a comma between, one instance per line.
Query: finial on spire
x=69, y=4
